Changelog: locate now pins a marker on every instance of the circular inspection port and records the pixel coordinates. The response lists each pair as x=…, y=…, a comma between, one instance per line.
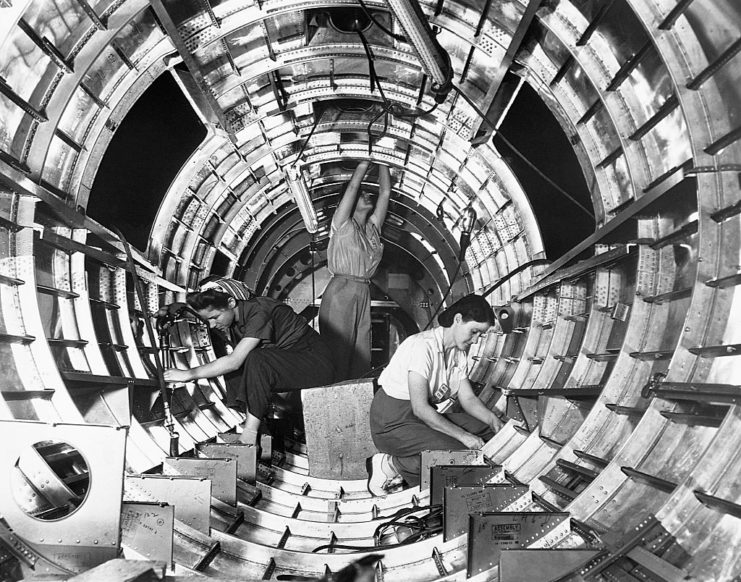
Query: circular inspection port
x=349, y=20
x=50, y=480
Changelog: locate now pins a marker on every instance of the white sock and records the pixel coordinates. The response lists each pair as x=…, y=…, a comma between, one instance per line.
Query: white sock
x=388, y=466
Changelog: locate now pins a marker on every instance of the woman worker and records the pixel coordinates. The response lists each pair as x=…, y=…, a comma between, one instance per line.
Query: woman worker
x=354, y=252
x=275, y=348
x=427, y=368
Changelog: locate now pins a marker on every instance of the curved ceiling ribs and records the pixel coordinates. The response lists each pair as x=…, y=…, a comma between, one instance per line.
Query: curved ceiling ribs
x=270, y=126
x=620, y=373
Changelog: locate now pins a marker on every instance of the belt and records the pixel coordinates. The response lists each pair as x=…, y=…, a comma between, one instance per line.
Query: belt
x=352, y=278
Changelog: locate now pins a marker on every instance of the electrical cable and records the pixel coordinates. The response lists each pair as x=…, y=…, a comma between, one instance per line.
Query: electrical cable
x=520, y=155
x=169, y=419
x=412, y=521
x=416, y=114
x=372, y=18
x=442, y=302
x=374, y=82
x=426, y=526
x=514, y=272
x=411, y=539
x=537, y=170
x=308, y=137
x=387, y=107
x=312, y=249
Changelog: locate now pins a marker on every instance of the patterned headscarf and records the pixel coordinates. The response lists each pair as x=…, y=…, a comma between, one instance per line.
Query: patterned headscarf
x=236, y=289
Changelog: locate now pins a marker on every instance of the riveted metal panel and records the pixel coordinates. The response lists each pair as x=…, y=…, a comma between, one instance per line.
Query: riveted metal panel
x=460, y=501
x=245, y=457
x=442, y=476
x=89, y=534
x=430, y=458
x=527, y=565
x=560, y=417
x=221, y=472
x=490, y=533
x=146, y=530
x=190, y=496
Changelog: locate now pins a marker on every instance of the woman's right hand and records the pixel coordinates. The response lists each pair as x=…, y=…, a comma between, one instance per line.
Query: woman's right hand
x=472, y=441
x=175, y=375
x=172, y=309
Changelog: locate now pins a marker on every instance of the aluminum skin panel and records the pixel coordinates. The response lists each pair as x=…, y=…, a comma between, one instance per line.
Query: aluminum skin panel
x=191, y=496
x=430, y=458
x=245, y=457
x=90, y=534
x=221, y=472
x=491, y=533
x=460, y=501
x=442, y=476
x=147, y=531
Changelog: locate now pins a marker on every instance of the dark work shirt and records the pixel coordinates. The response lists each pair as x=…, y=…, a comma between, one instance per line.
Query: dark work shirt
x=273, y=322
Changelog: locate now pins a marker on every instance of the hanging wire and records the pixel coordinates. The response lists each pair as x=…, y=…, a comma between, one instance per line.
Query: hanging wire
x=514, y=272
x=169, y=418
x=442, y=301
x=520, y=155
x=312, y=250
x=372, y=18
x=388, y=108
x=308, y=137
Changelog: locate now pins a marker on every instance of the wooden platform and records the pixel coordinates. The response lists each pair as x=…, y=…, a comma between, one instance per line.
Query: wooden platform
x=337, y=427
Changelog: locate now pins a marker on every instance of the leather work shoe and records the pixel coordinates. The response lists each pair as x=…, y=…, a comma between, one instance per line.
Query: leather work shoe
x=381, y=474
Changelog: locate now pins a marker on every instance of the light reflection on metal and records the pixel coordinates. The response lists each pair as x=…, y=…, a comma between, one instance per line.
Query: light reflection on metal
x=300, y=193
x=467, y=220
x=435, y=60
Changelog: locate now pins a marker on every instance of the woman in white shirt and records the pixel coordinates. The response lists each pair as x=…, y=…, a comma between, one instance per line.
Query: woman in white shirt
x=427, y=368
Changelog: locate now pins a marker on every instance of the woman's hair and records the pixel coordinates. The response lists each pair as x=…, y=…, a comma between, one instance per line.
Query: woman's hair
x=471, y=307
x=208, y=299
x=215, y=292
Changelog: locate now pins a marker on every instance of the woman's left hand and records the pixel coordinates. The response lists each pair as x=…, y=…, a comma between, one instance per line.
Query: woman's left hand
x=495, y=422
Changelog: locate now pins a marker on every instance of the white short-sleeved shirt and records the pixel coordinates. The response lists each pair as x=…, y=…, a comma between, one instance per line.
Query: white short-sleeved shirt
x=424, y=353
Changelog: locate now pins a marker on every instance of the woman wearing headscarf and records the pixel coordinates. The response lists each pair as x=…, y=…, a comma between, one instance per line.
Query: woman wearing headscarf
x=274, y=347
x=426, y=369
x=354, y=252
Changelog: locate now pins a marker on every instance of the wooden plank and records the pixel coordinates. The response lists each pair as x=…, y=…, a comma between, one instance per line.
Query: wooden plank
x=338, y=430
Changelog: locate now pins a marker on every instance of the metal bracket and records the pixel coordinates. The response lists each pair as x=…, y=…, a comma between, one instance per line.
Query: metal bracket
x=266, y=445
x=490, y=533
x=527, y=414
x=442, y=476
x=88, y=535
x=630, y=547
x=430, y=458
x=459, y=502
x=244, y=455
x=524, y=565
x=191, y=496
x=222, y=472
x=147, y=529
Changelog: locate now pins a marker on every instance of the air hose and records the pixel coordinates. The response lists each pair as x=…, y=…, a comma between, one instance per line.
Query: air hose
x=169, y=419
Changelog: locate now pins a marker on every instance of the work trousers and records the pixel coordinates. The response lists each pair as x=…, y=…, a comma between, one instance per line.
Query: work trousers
x=269, y=370
x=345, y=323
x=396, y=431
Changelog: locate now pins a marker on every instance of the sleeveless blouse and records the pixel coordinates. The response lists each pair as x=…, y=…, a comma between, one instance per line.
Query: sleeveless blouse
x=353, y=251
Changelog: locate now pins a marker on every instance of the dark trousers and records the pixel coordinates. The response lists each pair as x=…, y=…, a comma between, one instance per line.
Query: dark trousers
x=396, y=431
x=345, y=324
x=269, y=370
